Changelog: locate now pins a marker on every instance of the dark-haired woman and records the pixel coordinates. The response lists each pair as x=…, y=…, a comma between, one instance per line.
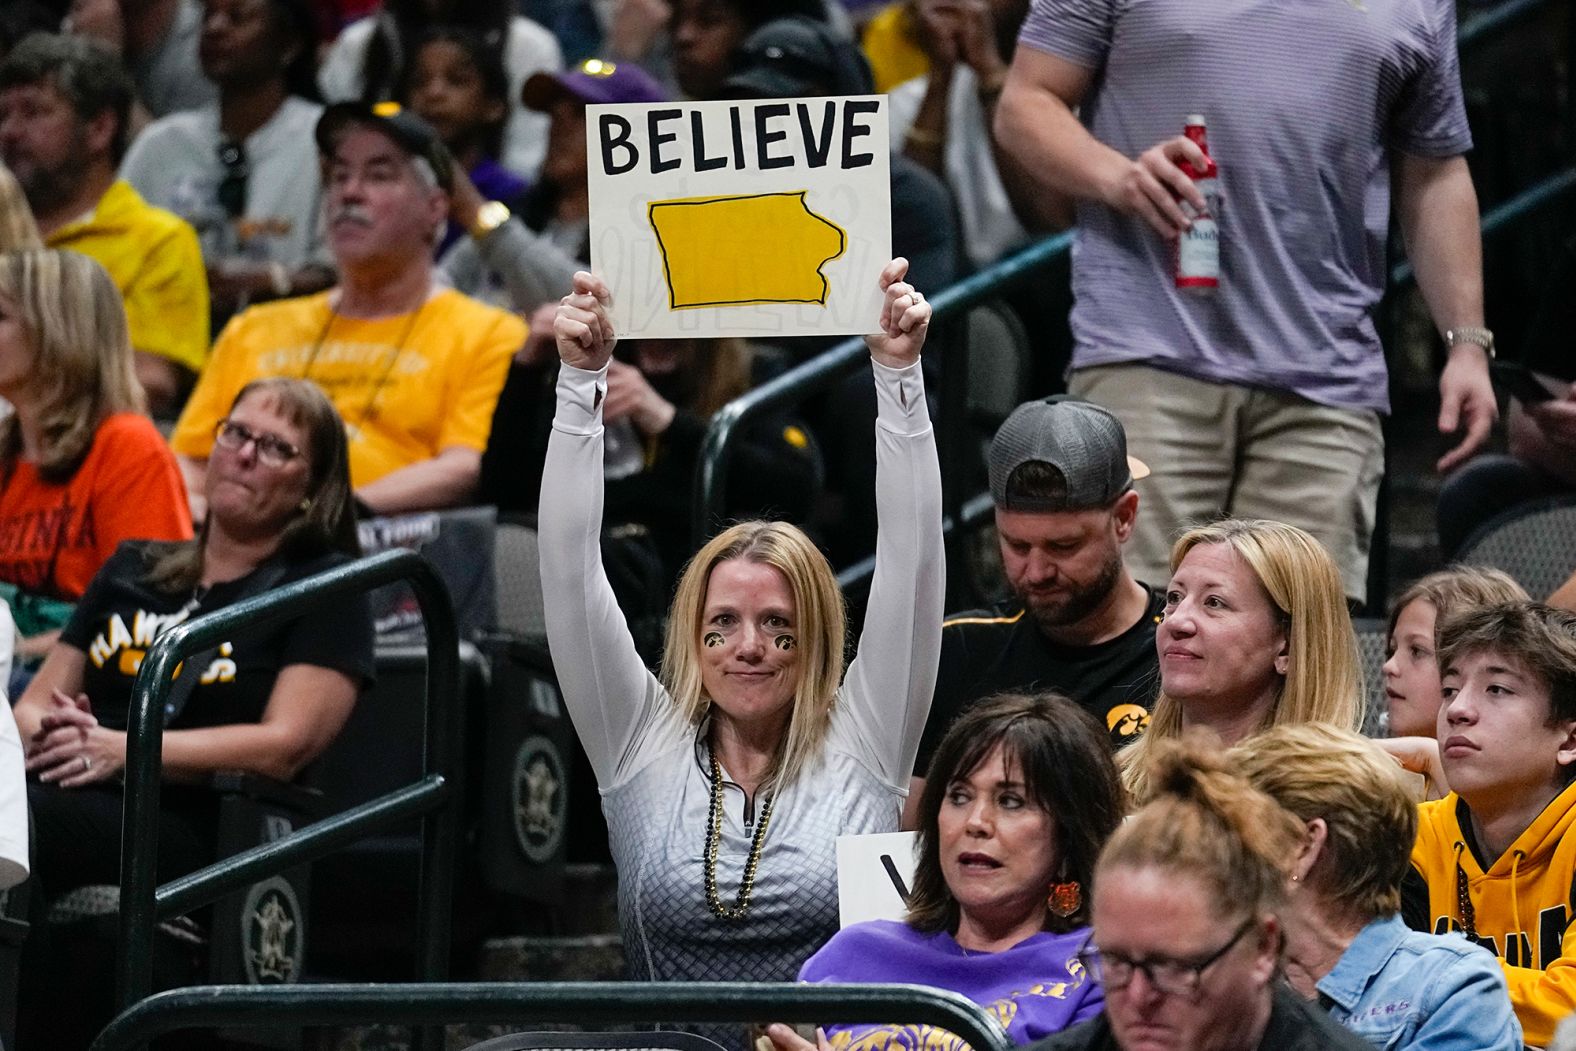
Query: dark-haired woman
x=267, y=701
x=1020, y=797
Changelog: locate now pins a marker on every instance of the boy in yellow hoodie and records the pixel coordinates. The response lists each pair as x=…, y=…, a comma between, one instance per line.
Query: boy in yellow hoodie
x=1492, y=858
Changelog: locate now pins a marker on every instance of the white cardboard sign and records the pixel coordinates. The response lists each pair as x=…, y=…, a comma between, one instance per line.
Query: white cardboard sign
x=875, y=873
x=762, y=217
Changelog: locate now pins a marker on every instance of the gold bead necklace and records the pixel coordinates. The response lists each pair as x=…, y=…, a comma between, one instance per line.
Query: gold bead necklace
x=741, y=902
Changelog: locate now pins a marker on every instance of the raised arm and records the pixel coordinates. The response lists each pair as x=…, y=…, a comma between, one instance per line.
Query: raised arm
x=889, y=684
x=609, y=692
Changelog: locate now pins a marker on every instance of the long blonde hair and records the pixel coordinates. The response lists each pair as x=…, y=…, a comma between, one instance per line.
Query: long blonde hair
x=18, y=231
x=82, y=367
x=1322, y=683
x=819, y=614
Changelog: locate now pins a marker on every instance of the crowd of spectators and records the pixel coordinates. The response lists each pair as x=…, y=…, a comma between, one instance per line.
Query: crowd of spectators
x=268, y=266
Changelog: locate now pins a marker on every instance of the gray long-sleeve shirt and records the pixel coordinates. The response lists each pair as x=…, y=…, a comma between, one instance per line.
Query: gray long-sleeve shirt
x=651, y=764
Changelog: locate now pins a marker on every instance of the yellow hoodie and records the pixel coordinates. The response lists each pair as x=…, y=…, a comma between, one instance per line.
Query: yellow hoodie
x=1520, y=907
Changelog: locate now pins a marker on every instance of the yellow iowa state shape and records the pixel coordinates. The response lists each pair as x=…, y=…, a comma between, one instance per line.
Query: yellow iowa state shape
x=733, y=251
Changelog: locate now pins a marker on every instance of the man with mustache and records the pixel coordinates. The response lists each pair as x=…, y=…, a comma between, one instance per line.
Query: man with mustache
x=64, y=107
x=1077, y=621
x=414, y=368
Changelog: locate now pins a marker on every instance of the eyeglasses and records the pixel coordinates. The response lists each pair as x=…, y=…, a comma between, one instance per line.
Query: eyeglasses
x=232, y=188
x=1172, y=977
x=272, y=451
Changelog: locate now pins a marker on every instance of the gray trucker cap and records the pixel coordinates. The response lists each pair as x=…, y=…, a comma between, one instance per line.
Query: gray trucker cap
x=1080, y=439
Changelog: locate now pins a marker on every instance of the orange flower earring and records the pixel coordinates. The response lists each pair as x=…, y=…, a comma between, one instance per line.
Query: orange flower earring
x=1065, y=898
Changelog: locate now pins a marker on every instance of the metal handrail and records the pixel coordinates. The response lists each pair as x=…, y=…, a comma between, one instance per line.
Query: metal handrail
x=1487, y=24
x=603, y=1003
x=142, y=904
x=1496, y=220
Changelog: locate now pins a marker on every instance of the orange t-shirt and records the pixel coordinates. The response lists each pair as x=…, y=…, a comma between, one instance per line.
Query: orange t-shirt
x=54, y=537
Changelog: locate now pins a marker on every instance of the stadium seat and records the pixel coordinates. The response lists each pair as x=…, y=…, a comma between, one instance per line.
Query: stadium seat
x=13, y=931
x=519, y=582
x=1372, y=640
x=1535, y=542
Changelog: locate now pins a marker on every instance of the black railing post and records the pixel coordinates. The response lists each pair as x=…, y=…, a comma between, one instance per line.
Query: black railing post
x=605, y=1003
x=440, y=829
x=140, y=903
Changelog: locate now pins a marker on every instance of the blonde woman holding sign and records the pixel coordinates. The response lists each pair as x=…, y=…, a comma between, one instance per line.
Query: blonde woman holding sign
x=726, y=782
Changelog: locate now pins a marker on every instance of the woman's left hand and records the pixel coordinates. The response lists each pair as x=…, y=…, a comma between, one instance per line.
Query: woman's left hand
x=905, y=319
x=785, y=1039
x=71, y=748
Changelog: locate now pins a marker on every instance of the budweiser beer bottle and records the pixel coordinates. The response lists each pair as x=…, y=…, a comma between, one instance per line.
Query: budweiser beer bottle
x=1198, y=247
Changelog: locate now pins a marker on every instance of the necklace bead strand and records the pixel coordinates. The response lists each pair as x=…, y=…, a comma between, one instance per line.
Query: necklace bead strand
x=741, y=902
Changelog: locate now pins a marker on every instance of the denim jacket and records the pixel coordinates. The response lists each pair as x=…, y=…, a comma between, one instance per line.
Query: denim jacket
x=1398, y=988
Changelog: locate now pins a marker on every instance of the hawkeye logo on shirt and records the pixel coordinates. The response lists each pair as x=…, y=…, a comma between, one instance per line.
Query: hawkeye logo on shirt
x=127, y=646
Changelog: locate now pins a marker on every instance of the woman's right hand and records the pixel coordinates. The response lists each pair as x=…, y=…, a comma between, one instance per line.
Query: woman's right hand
x=583, y=329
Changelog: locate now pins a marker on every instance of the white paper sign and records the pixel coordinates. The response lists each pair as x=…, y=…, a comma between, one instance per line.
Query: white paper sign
x=875, y=874
x=764, y=217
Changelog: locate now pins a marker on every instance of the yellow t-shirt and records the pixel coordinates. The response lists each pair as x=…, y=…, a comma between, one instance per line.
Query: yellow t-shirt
x=892, y=47
x=154, y=259
x=408, y=386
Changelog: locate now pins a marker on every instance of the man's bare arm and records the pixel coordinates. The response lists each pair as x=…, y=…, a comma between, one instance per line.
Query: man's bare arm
x=1438, y=211
x=1048, y=159
x=446, y=480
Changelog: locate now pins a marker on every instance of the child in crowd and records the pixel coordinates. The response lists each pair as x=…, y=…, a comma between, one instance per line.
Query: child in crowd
x=1492, y=859
x=1411, y=674
x=457, y=83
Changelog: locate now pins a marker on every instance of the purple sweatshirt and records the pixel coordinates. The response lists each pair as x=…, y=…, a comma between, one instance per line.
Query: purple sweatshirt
x=1034, y=989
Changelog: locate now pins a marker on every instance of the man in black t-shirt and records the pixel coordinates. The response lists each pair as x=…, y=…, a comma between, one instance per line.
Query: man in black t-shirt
x=1078, y=622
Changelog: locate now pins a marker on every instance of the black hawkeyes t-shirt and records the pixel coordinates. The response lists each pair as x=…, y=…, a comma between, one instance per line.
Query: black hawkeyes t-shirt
x=120, y=615
x=986, y=652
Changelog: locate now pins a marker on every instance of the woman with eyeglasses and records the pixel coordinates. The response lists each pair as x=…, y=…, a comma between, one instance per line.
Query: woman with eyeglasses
x=1187, y=927
x=266, y=701
x=82, y=468
x=1346, y=943
x=1019, y=798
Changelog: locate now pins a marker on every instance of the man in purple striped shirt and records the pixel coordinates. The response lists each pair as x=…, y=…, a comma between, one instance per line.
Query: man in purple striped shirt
x=1261, y=397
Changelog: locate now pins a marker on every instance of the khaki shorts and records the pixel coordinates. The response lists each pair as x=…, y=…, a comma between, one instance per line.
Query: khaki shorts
x=1216, y=449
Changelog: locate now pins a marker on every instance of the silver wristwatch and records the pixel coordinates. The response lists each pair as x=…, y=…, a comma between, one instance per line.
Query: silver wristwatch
x=1478, y=337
